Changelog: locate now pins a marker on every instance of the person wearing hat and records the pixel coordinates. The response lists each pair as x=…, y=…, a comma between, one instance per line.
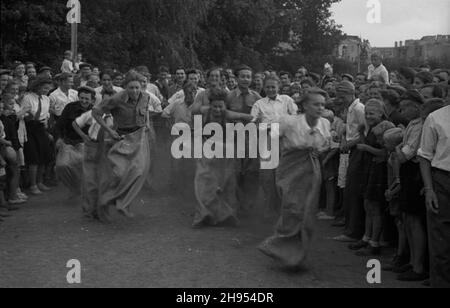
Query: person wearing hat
x=45, y=72
x=412, y=202
x=70, y=149
x=378, y=69
x=355, y=130
x=18, y=71
x=83, y=77
x=63, y=95
x=347, y=77
x=37, y=149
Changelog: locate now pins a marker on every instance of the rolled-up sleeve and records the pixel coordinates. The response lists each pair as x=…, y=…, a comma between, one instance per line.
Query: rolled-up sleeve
x=412, y=143
x=107, y=105
x=429, y=141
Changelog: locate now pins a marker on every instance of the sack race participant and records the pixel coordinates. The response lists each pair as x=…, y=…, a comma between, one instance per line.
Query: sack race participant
x=125, y=158
x=215, y=179
x=242, y=100
x=299, y=179
x=70, y=146
x=268, y=110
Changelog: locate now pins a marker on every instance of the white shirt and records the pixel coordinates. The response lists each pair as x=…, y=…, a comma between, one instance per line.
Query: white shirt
x=86, y=119
x=59, y=100
x=152, y=88
x=179, y=96
x=31, y=102
x=435, y=145
x=155, y=103
x=67, y=66
x=355, y=118
x=2, y=130
x=380, y=71
x=268, y=111
x=297, y=134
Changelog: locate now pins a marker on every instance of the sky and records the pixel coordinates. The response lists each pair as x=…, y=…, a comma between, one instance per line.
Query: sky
x=400, y=20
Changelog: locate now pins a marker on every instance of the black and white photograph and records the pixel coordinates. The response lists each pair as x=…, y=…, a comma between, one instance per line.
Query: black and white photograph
x=225, y=150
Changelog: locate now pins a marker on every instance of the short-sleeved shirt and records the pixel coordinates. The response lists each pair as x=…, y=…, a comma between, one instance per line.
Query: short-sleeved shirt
x=435, y=143
x=31, y=102
x=238, y=101
x=178, y=110
x=355, y=118
x=87, y=123
x=59, y=100
x=268, y=110
x=298, y=135
x=127, y=114
x=411, y=139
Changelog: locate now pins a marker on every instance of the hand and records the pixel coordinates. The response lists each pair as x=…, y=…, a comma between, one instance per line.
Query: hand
x=7, y=143
x=432, y=201
x=361, y=147
x=115, y=135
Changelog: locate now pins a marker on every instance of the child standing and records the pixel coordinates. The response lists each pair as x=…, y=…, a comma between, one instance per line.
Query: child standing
x=411, y=200
x=375, y=187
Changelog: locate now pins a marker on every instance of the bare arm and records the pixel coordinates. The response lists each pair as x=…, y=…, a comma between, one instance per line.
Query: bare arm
x=80, y=132
x=430, y=194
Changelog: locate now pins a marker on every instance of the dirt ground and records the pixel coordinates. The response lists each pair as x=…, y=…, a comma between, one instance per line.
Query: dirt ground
x=160, y=249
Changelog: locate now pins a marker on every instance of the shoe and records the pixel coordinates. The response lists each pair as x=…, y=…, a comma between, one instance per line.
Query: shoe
x=369, y=251
x=339, y=224
x=345, y=239
x=125, y=212
x=51, y=183
x=16, y=201
x=413, y=276
x=36, y=191
x=427, y=283
x=397, y=262
x=358, y=246
x=402, y=269
x=320, y=214
x=42, y=187
x=22, y=196
x=326, y=218
x=11, y=208
x=4, y=212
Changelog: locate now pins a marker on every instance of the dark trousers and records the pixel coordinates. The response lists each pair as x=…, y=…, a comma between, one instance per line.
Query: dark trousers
x=439, y=232
x=353, y=197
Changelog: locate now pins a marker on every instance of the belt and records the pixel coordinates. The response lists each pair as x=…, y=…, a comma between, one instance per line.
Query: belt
x=127, y=131
x=437, y=170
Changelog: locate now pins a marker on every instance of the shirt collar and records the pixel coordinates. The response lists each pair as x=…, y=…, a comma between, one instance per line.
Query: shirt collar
x=353, y=105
